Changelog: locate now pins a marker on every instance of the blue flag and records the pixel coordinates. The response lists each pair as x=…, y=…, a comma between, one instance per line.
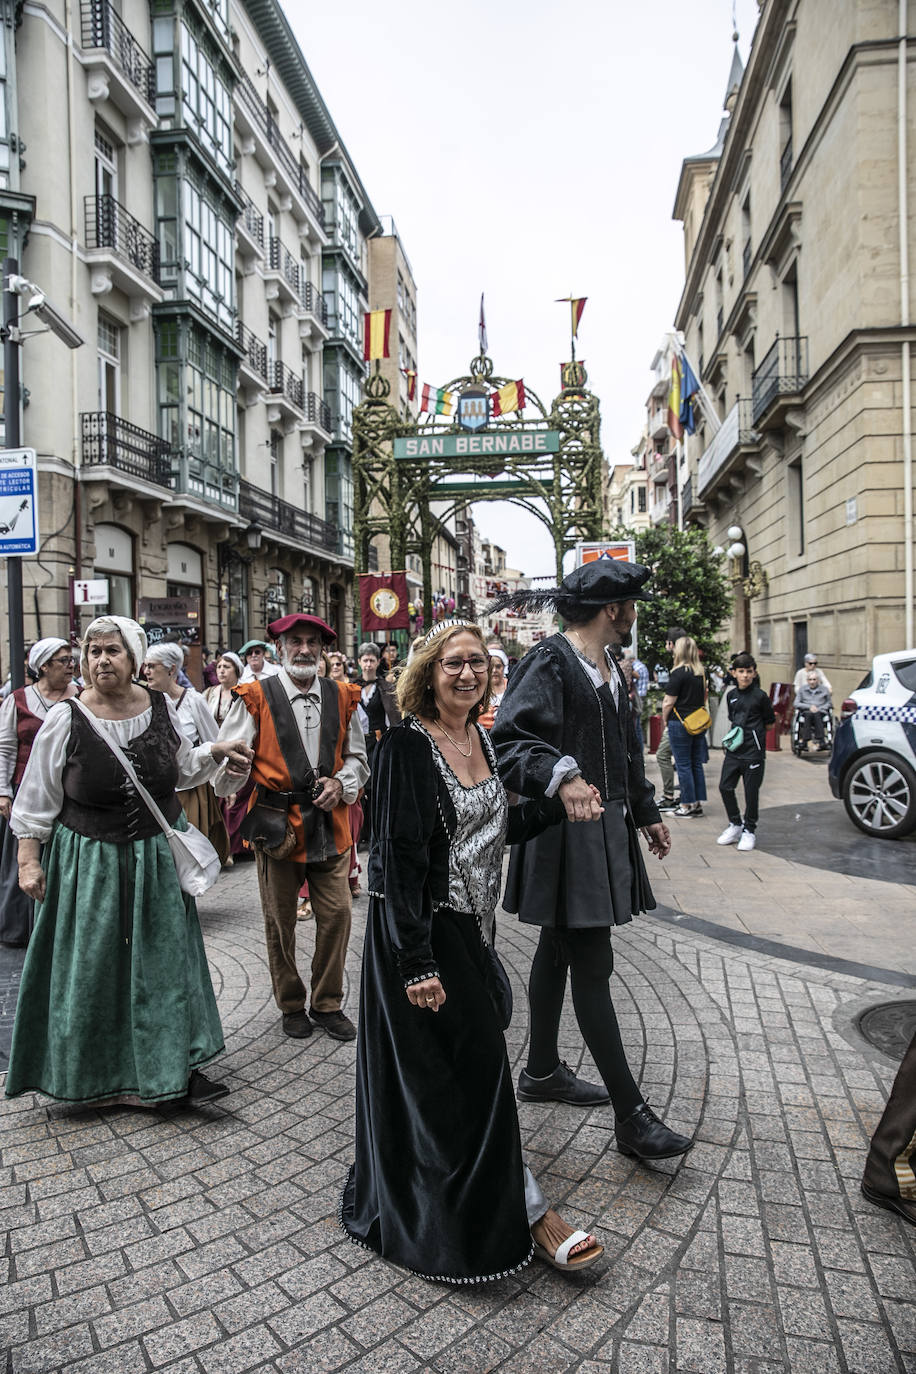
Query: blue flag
x=689, y=388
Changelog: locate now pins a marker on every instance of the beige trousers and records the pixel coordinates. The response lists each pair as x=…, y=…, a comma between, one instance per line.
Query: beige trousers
x=329, y=892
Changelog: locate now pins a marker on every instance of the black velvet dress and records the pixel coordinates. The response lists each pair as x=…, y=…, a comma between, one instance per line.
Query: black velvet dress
x=438, y=1183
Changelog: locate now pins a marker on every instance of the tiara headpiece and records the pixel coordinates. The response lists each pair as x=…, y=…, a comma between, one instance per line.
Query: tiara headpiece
x=443, y=625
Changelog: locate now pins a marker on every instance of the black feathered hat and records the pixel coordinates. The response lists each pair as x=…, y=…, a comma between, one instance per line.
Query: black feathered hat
x=594, y=584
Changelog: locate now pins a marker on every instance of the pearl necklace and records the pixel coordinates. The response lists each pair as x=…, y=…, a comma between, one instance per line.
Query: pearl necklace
x=467, y=735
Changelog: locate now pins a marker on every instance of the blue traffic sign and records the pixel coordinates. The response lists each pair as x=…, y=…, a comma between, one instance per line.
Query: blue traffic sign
x=18, y=502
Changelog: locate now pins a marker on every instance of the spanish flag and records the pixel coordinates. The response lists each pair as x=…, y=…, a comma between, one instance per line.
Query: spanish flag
x=411, y=376
x=674, y=398
x=376, y=331
x=508, y=398
x=436, y=401
x=576, y=305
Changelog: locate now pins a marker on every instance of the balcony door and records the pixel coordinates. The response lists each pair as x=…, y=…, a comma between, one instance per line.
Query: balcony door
x=109, y=363
x=106, y=166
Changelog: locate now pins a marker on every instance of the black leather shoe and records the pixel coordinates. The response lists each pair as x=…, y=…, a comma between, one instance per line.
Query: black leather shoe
x=644, y=1136
x=337, y=1025
x=202, y=1089
x=297, y=1024
x=901, y=1205
x=561, y=1086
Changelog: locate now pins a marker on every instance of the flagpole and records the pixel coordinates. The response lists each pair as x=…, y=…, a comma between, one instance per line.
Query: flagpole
x=709, y=409
x=677, y=484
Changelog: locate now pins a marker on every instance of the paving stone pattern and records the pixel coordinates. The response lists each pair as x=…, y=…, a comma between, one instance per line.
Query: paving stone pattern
x=207, y=1243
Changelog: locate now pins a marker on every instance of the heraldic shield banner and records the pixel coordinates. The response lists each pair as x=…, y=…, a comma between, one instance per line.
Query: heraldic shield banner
x=383, y=601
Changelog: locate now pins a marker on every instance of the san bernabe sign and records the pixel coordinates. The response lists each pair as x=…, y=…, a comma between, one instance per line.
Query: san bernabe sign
x=495, y=445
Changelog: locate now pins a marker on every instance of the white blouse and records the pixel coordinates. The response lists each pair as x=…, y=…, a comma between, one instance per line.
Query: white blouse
x=9, y=741
x=41, y=792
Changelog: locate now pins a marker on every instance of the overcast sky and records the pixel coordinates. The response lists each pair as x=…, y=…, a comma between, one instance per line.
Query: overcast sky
x=531, y=151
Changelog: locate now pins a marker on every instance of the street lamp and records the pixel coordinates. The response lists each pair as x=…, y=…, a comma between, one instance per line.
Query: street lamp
x=14, y=287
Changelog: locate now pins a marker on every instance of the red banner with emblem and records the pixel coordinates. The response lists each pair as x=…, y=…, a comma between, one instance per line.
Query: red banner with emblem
x=383, y=601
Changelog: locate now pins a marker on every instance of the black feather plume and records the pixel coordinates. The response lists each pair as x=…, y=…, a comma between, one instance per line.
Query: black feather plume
x=525, y=602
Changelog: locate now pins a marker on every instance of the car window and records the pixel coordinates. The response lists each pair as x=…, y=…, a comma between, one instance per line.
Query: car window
x=867, y=681
x=906, y=672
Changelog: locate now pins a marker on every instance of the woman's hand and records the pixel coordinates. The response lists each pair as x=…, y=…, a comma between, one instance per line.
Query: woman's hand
x=32, y=879
x=6, y=806
x=236, y=754
x=428, y=995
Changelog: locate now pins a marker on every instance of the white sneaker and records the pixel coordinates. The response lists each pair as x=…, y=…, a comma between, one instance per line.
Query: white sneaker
x=730, y=834
x=747, y=841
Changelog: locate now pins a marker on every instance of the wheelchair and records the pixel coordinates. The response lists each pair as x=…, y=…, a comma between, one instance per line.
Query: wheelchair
x=799, y=744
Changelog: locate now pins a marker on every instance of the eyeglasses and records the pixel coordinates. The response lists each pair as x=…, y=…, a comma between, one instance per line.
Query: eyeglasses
x=477, y=663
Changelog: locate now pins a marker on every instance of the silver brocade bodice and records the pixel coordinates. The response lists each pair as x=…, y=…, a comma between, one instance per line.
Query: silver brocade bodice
x=476, y=849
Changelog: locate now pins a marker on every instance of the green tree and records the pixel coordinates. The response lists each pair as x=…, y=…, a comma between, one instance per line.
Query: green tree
x=689, y=589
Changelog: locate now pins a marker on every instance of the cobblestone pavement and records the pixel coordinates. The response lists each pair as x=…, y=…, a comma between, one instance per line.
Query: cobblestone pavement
x=207, y=1242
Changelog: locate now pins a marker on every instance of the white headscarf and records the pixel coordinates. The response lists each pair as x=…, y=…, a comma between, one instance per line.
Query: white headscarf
x=43, y=650
x=234, y=659
x=169, y=655
x=133, y=635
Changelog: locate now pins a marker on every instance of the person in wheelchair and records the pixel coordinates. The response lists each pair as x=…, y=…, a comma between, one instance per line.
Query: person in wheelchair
x=813, y=714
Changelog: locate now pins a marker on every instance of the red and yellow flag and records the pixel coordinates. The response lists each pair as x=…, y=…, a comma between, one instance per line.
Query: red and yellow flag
x=674, y=398
x=508, y=398
x=411, y=376
x=576, y=306
x=376, y=332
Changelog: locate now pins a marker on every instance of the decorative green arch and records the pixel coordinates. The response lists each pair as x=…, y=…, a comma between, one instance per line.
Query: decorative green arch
x=393, y=496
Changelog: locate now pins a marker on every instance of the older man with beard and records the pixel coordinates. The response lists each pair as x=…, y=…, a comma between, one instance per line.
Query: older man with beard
x=309, y=764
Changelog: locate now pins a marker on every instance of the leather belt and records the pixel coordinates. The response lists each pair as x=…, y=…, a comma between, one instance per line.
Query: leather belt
x=292, y=798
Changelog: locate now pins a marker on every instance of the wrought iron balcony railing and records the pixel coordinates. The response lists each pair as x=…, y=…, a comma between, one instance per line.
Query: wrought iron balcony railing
x=281, y=260
x=313, y=303
x=255, y=350
x=318, y=412
x=782, y=372
x=251, y=216
x=109, y=225
x=102, y=27
x=108, y=440
x=268, y=126
x=261, y=508
x=284, y=382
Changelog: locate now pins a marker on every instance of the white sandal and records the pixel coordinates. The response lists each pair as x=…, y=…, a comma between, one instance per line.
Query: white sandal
x=561, y=1258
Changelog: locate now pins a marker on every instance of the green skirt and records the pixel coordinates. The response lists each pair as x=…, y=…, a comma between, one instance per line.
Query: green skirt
x=115, y=997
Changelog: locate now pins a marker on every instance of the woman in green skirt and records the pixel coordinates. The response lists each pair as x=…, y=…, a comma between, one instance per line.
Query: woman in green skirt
x=115, y=1001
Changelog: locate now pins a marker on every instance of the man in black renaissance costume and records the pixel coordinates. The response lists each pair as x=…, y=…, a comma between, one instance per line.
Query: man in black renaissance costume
x=563, y=724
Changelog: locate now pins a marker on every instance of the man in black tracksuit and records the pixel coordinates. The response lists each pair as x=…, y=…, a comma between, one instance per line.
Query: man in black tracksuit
x=750, y=708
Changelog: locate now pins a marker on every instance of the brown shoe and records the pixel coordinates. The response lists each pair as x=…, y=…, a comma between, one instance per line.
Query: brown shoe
x=337, y=1025
x=297, y=1024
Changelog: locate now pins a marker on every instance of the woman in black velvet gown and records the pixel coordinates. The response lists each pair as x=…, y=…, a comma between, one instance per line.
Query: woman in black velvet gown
x=439, y=1184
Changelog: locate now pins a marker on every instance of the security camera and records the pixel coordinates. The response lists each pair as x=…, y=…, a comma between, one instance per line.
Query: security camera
x=59, y=326
x=41, y=307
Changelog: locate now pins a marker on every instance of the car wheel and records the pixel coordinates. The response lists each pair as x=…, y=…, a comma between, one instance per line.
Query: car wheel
x=879, y=792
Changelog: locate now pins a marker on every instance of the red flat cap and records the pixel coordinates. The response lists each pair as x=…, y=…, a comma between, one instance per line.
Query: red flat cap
x=276, y=628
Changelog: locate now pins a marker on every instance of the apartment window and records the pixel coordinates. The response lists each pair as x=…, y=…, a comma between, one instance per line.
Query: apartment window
x=642, y=500
x=209, y=255
x=5, y=157
x=785, y=135
x=278, y=594
x=343, y=392
x=169, y=380
x=109, y=353
x=276, y=459
x=632, y=500
x=106, y=166
x=341, y=212
x=339, y=496
x=197, y=396
x=205, y=100
x=796, y=512
x=166, y=173
x=747, y=251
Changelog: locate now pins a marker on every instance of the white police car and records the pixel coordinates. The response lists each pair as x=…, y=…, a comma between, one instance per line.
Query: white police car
x=873, y=765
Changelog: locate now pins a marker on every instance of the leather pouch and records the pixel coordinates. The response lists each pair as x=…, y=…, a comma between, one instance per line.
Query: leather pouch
x=267, y=827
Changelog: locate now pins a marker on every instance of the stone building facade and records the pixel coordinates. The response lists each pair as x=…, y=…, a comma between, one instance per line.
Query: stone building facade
x=792, y=305
x=198, y=219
